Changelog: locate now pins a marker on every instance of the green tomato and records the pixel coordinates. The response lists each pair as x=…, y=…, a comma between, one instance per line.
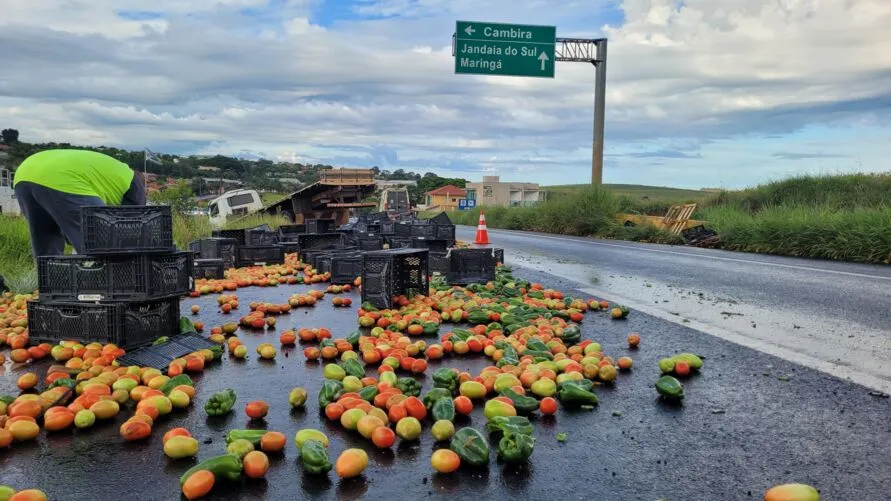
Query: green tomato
x=443, y=430
x=388, y=377
x=351, y=384
x=408, y=428
x=334, y=371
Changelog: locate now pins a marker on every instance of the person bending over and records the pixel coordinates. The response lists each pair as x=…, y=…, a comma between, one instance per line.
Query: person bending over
x=53, y=185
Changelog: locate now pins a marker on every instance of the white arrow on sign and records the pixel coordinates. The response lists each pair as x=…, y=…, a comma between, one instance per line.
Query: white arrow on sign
x=543, y=58
x=469, y=30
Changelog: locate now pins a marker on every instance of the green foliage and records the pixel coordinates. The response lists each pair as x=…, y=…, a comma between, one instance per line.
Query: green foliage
x=179, y=197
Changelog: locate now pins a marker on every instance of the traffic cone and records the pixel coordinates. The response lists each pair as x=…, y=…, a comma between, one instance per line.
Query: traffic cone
x=482, y=233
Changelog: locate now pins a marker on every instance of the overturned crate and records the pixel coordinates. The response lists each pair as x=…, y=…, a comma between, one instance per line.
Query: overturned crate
x=159, y=356
x=216, y=248
x=394, y=272
x=261, y=255
x=209, y=269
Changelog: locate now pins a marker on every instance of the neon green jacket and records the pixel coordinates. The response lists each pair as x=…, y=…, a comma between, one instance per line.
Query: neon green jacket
x=78, y=172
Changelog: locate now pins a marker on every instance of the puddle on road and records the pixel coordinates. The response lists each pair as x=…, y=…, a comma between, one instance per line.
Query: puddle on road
x=764, y=326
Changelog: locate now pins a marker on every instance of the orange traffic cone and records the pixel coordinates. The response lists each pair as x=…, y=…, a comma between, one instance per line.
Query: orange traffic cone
x=482, y=233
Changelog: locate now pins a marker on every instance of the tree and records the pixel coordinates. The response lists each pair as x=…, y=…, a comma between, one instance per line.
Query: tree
x=10, y=136
x=179, y=197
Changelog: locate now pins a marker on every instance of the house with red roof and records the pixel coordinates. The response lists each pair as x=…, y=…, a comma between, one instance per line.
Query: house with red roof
x=445, y=198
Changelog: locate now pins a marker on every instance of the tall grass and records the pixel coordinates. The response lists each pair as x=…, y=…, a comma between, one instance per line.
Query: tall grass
x=588, y=211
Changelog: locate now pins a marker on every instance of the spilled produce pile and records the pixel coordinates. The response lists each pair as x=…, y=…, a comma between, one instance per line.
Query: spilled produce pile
x=379, y=389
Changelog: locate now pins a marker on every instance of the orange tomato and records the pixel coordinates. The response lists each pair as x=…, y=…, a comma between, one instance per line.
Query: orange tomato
x=5, y=438
x=256, y=409
x=256, y=464
x=272, y=441
x=57, y=418
x=198, y=485
x=334, y=410
x=175, y=432
x=463, y=405
x=445, y=461
x=29, y=495
x=383, y=437
x=134, y=429
x=397, y=412
x=548, y=406
x=415, y=408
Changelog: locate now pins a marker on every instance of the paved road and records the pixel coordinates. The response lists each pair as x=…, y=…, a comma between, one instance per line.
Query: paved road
x=827, y=315
x=748, y=421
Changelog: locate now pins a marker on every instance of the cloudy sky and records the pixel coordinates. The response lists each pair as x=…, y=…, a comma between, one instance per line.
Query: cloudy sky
x=700, y=93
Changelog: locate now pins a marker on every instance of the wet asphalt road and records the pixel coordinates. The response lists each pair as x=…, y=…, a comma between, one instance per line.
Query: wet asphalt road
x=749, y=421
x=825, y=314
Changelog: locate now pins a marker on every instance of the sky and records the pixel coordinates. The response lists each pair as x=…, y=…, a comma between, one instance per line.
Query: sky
x=699, y=93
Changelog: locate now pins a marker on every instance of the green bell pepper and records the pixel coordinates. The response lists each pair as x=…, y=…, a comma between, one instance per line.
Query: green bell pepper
x=175, y=381
x=252, y=436
x=513, y=424
x=430, y=328
x=478, y=317
x=571, y=335
x=68, y=382
x=571, y=394
x=408, y=386
x=367, y=306
x=460, y=335
x=539, y=355
x=353, y=339
x=670, y=388
x=523, y=404
x=368, y=393
x=227, y=466
x=585, y=384
x=515, y=447
x=471, y=446
x=354, y=367
x=447, y=379
x=331, y=390
x=535, y=344
x=434, y=395
x=220, y=403
x=508, y=357
x=444, y=408
x=314, y=458
x=186, y=326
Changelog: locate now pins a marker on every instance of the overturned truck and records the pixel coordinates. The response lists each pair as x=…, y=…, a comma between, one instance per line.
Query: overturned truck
x=334, y=196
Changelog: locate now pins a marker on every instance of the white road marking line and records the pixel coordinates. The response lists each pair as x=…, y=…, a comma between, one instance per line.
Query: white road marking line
x=839, y=371
x=707, y=256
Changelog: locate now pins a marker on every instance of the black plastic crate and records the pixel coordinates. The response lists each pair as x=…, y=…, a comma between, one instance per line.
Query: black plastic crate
x=439, y=263
x=319, y=241
x=422, y=230
x=128, y=325
x=141, y=277
x=402, y=229
x=445, y=232
x=212, y=269
x=431, y=244
x=369, y=242
x=499, y=255
x=320, y=225
x=394, y=272
x=127, y=229
x=399, y=242
x=322, y=260
x=216, y=248
x=345, y=269
x=469, y=266
x=238, y=235
x=289, y=247
x=260, y=255
x=441, y=219
x=287, y=232
x=388, y=228
x=259, y=237
x=160, y=356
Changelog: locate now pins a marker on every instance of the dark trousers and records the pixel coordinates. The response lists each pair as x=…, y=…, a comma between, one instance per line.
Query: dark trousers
x=53, y=217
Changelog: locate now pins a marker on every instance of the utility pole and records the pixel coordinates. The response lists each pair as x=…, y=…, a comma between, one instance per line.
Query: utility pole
x=586, y=50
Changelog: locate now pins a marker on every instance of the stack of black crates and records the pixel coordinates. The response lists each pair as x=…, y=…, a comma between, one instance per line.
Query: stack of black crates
x=236, y=248
x=126, y=287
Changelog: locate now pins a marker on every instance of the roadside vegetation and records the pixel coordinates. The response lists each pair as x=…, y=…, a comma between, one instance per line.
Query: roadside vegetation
x=832, y=217
x=845, y=217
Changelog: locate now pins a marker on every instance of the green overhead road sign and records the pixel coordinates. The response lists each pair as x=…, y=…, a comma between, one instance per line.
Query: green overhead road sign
x=505, y=49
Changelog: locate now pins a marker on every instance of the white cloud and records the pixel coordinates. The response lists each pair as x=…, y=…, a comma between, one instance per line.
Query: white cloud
x=207, y=75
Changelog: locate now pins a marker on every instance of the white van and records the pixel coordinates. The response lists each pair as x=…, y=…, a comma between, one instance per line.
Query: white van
x=233, y=203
